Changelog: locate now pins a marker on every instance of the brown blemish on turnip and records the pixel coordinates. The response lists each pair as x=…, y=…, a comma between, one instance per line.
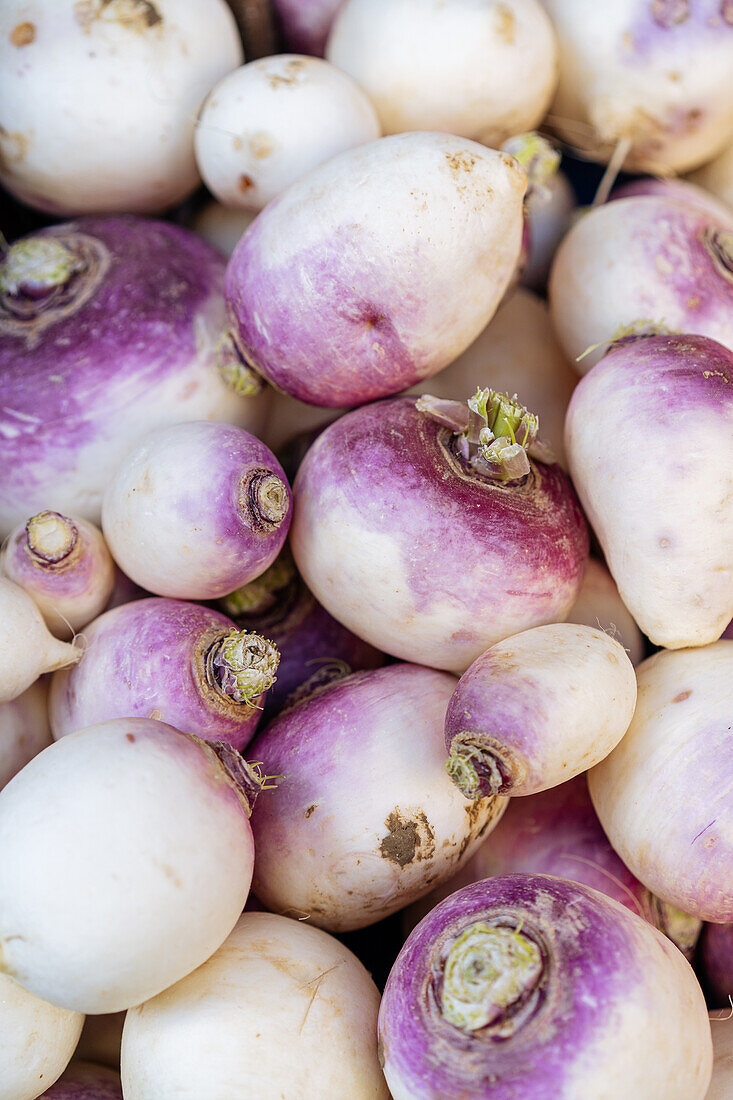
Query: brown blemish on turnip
x=506, y=24
x=670, y=13
x=290, y=75
x=23, y=34
x=137, y=15
x=13, y=147
x=246, y=183
x=409, y=839
x=261, y=145
x=682, y=696
x=130, y=737
x=311, y=809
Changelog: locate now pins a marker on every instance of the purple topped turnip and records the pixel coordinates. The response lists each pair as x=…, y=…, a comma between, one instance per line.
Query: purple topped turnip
x=197, y=510
x=660, y=508
x=599, y=604
x=716, y=960
x=305, y=24
x=24, y=729
x=85, y=1081
x=98, y=99
x=183, y=664
x=526, y=987
x=27, y=649
x=432, y=534
x=675, y=189
x=109, y=328
x=352, y=285
x=663, y=794
x=37, y=1040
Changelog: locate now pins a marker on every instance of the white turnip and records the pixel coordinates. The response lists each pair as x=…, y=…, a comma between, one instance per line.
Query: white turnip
x=37, y=1040
x=599, y=604
x=27, y=649
x=24, y=729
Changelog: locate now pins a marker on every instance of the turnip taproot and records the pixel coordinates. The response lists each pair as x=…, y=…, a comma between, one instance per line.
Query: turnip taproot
x=37, y=1040
x=716, y=958
x=377, y=248
x=24, y=729
x=599, y=604
x=134, y=871
x=86, y=1081
x=197, y=510
x=674, y=572
x=527, y=986
x=183, y=664
x=27, y=649
x=365, y=818
x=434, y=542
x=663, y=794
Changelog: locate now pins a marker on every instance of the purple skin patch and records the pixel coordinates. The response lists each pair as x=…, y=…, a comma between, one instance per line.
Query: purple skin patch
x=716, y=963
x=596, y=957
x=84, y=1081
x=672, y=28
x=63, y=384
x=53, y=580
x=305, y=24
x=146, y=660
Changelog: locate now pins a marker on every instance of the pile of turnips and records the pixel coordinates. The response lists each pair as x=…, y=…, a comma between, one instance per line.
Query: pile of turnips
x=366, y=550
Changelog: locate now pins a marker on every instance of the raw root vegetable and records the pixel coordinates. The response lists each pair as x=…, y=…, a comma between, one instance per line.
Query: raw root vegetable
x=721, y=1085
x=716, y=958
x=183, y=664
x=663, y=794
x=527, y=986
x=599, y=604
x=36, y=1041
x=365, y=818
x=74, y=137
x=485, y=71
x=537, y=709
x=24, y=729
x=516, y=353
x=676, y=189
x=197, y=510
x=433, y=542
x=377, y=247
x=648, y=80
x=306, y=24
x=558, y=833
x=266, y=125
x=281, y=1006
x=101, y=1038
x=85, y=1081
x=109, y=328
x=642, y=266
x=145, y=847
x=547, y=213
x=661, y=511
x=221, y=226
x=64, y=565
x=27, y=650
x=314, y=649
x=717, y=175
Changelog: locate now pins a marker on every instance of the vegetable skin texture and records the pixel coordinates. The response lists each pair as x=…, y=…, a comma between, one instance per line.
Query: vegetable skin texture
x=341, y=861
x=37, y=1040
x=599, y=604
x=674, y=573
x=27, y=649
x=276, y=987
x=384, y=514
x=145, y=900
x=616, y=1009
x=663, y=794
x=24, y=729
x=85, y=1081
x=381, y=299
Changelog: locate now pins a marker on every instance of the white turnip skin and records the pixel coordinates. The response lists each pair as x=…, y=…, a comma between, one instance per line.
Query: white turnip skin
x=197, y=510
x=661, y=512
x=663, y=794
x=548, y=213
x=64, y=564
x=646, y=264
x=599, y=604
x=305, y=24
x=221, y=226
x=27, y=649
x=86, y=1081
x=653, y=74
x=717, y=176
x=537, y=709
x=721, y=1026
x=481, y=70
x=341, y=861
x=76, y=139
x=377, y=246
x=266, y=125
x=24, y=729
x=281, y=1009
x=677, y=189
x=139, y=898
x=101, y=1038
x=37, y=1040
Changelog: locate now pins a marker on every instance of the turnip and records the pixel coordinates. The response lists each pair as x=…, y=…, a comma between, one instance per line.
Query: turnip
x=101, y=1038
x=313, y=647
x=434, y=542
x=27, y=649
x=661, y=511
x=99, y=99
x=221, y=226
x=36, y=1041
x=109, y=328
x=352, y=285
x=527, y=986
x=716, y=958
x=197, y=510
x=306, y=23
x=663, y=794
x=127, y=859
x=183, y=664
x=24, y=729
x=516, y=353
x=649, y=81
x=85, y=1081
x=717, y=175
x=281, y=1009
x=642, y=265
x=365, y=818
x=481, y=70
x=267, y=124
x=558, y=833
x=599, y=604
x=64, y=564
x=537, y=709
x=721, y=1085
x=676, y=189
x=548, y=213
